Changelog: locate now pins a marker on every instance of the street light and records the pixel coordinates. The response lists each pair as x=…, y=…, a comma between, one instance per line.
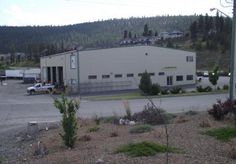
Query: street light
x=232, y=63
x=232, y=53
x=212, y=9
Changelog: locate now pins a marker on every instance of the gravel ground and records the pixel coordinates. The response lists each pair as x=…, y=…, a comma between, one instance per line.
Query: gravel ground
x=197, y=148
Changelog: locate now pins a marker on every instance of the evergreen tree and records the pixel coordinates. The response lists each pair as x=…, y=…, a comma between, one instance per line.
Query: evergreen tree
x=156, y=33
x=214, y=76
x=130, y=35
x=145, y=30
x=217, y=22
x=201, y=24
x=150, y=33
x=221, y=24
x=12, y=52
x=125, y=34
x=207, y=25
x=68, y=109
x=145, y=83
x=193, y=30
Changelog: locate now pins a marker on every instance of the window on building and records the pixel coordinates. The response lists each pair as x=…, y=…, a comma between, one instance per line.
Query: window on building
x=72, y=62
x=73, y=81
x=189, y=58
x=105, y=76
x=179, y=78
x=118, y=75
x=140, y=74
x=189, y=77
x=92, y=77
x=130, y=75
x=152, y=74
x=161, y=73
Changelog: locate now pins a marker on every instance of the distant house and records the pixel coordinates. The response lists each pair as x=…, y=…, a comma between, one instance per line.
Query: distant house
x=176, y=34
x=19, y=56
x=164, y=35
x=171, y=35
x=5, y=58
x=16, y=57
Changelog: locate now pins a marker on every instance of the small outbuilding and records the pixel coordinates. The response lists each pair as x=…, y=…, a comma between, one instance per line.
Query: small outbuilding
x=119, y=68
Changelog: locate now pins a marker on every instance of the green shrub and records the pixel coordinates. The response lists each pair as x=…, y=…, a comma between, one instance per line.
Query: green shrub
x=206, y=89
x=93, y=129
x=168, y=117
x=165, y=92
x=97, y=119
x=176, y=90
x=109, y=119
x=191, y=112
x=223, y=134
x=225, y=87
x=141, y=129
x=155, y=89
x=68, y=109
x=144, y=149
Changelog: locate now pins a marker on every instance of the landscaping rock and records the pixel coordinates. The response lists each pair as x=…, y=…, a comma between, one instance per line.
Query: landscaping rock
x=233, y=152
x=40, y=149
x=124, y=121
x=100, y=161
x=132, y=123
x=205, y=123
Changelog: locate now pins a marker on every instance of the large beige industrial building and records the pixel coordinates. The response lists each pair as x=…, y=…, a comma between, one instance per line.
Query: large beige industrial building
x=119, y=68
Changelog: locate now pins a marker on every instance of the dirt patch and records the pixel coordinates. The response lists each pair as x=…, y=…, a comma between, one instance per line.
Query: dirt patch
x=196, y=148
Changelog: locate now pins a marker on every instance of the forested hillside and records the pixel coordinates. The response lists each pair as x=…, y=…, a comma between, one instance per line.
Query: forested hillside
x=36, y=40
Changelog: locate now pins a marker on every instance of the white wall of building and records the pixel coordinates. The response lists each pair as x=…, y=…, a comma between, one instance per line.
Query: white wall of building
x=70, y=75
x=136, y=60
x=113, y=62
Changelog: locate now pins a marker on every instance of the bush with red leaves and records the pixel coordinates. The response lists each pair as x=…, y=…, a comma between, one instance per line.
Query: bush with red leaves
x=220, y=109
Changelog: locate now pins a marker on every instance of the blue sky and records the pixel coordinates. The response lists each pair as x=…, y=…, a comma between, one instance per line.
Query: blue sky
x=63, y=12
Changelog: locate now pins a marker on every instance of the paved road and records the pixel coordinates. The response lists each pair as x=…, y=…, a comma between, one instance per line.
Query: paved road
x=17, y=108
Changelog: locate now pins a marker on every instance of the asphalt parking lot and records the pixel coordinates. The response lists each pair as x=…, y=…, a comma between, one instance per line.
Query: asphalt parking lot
x=17, y=108
x=223, y=80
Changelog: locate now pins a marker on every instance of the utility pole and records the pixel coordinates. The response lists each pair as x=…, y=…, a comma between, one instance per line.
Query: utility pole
x=233, y=58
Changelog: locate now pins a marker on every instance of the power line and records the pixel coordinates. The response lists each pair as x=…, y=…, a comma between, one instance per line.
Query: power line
x=226, y=3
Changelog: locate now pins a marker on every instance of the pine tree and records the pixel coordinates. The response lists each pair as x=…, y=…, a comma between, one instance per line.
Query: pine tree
x=150, y=33
x=125, y=34
x=201, y=24
x=145, y=83
x=156, y=33
x=145, y=30
x=130, y=35
x=214, y=76
x=193, y=30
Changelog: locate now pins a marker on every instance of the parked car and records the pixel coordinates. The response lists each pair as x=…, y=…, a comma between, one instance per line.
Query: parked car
x=40, y=88
x=205, y=74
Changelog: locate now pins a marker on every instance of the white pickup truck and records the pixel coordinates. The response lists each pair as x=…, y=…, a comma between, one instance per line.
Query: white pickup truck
x=40, y=88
